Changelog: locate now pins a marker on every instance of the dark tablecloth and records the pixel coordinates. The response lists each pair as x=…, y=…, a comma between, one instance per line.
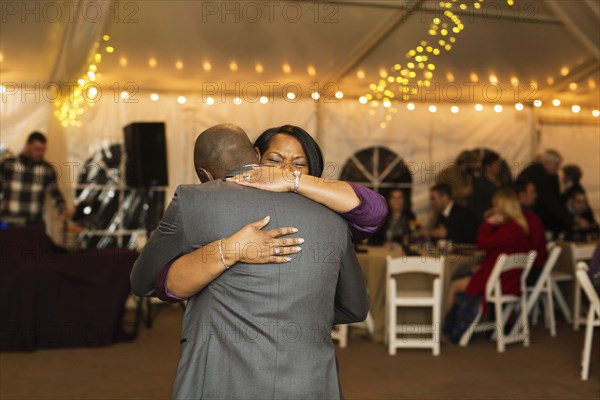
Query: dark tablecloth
x=51, y=298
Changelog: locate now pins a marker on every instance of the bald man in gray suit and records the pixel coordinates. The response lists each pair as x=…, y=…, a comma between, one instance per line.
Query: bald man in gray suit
x=255, y=331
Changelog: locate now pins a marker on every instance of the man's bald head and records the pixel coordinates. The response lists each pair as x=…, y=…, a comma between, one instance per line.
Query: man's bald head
x=222, y=148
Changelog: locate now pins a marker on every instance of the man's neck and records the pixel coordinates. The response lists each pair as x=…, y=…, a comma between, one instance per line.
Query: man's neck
x=27, y=158
x=237, y=170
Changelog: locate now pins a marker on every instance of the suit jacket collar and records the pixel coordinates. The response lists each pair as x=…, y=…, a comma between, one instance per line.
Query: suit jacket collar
x=239, y=170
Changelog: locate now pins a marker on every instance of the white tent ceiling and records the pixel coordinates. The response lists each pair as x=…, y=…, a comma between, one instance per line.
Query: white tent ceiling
x=551, y=42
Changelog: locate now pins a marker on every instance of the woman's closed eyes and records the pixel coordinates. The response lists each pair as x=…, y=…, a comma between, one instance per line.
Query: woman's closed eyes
x=275, y=160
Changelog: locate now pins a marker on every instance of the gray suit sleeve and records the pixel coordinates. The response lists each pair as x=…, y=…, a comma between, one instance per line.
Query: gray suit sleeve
x=164, y=245
x=351, y=301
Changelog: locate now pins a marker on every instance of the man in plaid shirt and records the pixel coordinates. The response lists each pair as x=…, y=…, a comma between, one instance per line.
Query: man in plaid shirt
x=24, y=181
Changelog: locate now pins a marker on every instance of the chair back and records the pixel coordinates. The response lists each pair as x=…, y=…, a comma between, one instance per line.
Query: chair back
x=550, y=262
x=588, y=287
x=406, y=265
x=508, y=262
x=582, y=252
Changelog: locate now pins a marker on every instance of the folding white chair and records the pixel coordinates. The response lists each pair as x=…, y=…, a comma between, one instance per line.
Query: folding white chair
x=559, y=277
x=493, y=294
x=579, y=253
x=593, y=317
x=340, y=332
x=544, y=285
x=414, y=298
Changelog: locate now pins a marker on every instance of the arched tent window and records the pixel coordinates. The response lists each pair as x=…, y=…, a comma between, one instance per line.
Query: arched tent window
x=380, y=169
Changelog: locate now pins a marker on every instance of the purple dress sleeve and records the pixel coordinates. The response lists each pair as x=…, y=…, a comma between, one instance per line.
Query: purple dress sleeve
x=369, y=216
x=161, y=286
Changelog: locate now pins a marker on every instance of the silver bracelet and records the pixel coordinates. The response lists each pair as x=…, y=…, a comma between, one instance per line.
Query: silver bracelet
x=221, y=254
x=297, y=174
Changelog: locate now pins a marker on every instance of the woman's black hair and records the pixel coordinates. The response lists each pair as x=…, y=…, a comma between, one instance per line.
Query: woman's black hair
x=314, y=157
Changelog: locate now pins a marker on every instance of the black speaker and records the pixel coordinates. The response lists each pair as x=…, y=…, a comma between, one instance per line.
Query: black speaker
x=145, y=145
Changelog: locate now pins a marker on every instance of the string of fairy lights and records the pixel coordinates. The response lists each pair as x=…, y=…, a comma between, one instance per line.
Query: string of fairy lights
x=404, y=81
x=69, y=109
x=397, y=86
x=401, y=83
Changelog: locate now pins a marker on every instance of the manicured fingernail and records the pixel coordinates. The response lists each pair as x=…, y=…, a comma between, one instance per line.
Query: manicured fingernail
x=287, y=258
x=300, y=240
x=297, y=249
x=267, y=217
x=294, y=230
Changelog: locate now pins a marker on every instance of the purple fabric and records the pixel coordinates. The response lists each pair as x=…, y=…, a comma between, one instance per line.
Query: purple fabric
x=363, y=220
x=161, y=286
x=369, y=216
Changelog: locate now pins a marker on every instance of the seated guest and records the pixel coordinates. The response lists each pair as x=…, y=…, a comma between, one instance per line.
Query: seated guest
x=459, y=176
x=548, y=206
x=584, y=226
x=526, y=194
x=505, y=231
x=399, y=224
x=594, y=269
x=486, y=185
x=454, y=222
x=571, y=180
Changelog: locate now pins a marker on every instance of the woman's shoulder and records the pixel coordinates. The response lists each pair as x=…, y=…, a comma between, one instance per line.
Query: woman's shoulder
x=512, y=225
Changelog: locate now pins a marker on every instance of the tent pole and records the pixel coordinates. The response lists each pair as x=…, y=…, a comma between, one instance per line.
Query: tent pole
x=368, y=46
x=536, y=135
x=586, y=69
x=575, y=30
x=318, y=121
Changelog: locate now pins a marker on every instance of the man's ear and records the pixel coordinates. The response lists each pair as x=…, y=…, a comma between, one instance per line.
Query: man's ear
x=257, y=151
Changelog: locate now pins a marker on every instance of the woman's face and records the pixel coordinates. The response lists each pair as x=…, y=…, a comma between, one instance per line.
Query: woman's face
x=285, y=151
x=396, y=201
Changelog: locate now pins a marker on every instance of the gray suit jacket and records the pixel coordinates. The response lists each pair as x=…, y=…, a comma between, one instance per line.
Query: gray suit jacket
x=259, y=331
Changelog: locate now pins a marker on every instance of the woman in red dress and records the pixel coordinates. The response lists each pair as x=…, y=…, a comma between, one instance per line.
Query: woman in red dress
x=505, y=231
